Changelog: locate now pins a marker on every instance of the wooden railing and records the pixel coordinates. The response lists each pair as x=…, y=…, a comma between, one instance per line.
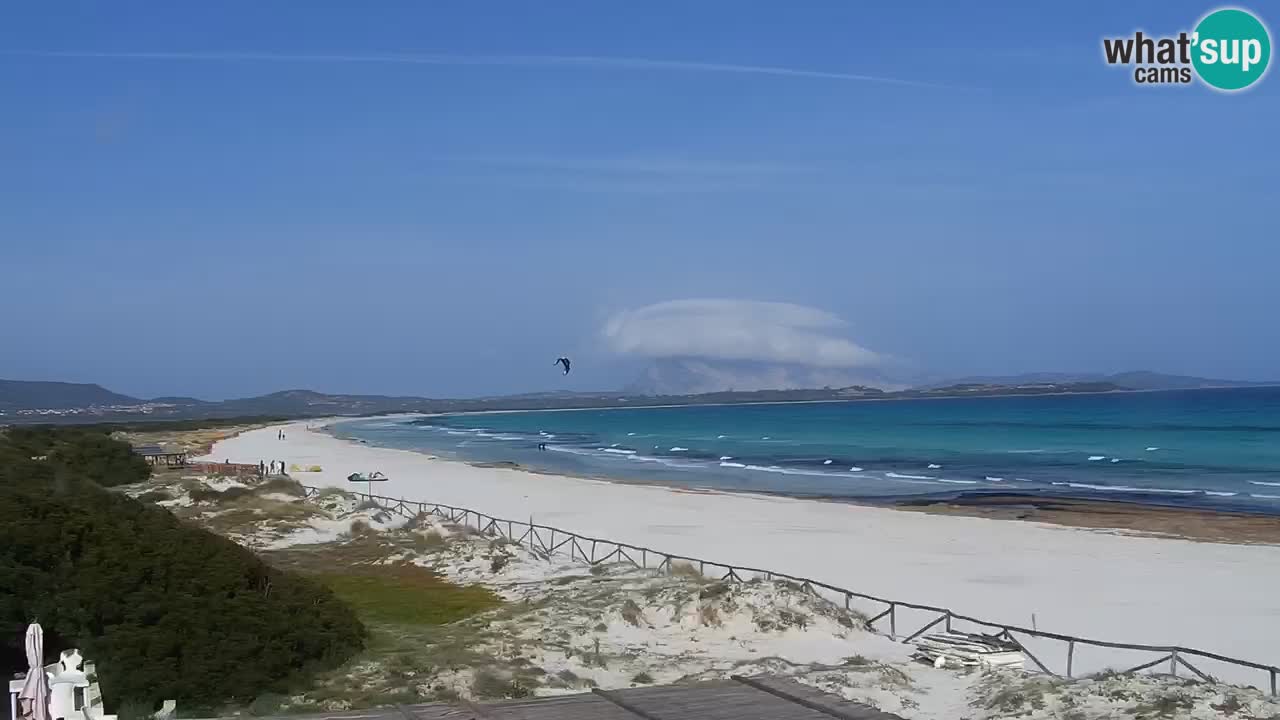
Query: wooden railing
x=882, y=612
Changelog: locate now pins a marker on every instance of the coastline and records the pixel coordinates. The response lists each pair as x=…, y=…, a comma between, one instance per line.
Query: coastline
x=1120, y=585
x=1122, y=516
x=1125, y=516
x=1119, y=515
x=828, y=401
x=1203, y=515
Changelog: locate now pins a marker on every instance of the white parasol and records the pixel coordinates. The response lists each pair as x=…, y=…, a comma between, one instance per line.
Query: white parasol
x=34, y=697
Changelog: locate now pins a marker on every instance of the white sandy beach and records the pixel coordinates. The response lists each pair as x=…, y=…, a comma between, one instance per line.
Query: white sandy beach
x=1216, y=597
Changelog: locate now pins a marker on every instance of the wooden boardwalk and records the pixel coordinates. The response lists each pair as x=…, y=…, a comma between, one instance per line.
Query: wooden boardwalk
x=740, y=698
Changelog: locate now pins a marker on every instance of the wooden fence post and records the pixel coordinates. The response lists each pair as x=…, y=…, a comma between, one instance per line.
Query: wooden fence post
x=667, y=566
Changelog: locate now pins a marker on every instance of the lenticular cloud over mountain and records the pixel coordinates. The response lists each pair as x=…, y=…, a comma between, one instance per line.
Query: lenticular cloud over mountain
x=737, y=330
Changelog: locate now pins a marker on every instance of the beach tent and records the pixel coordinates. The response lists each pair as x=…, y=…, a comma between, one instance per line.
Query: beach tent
x=370, y=478
x=34, y=698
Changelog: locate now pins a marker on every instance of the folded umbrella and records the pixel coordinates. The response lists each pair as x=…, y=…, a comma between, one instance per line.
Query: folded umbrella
x=34, y=698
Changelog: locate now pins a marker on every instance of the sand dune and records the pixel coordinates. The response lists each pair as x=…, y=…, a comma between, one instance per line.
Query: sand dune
x=1215, y=597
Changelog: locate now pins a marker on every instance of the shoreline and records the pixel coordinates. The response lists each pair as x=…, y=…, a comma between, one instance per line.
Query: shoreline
x=1141, y=513
x=1126, y=516
x=1116, y=391
x=1119, y=585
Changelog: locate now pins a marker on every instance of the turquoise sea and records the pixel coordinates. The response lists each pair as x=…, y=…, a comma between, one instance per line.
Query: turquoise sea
x=1203, y=448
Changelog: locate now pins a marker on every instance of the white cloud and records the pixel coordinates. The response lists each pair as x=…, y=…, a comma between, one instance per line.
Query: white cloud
x=736, y=330
x=590, y=61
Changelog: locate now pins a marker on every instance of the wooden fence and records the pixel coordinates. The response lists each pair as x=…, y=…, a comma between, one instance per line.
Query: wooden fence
x=897, y=619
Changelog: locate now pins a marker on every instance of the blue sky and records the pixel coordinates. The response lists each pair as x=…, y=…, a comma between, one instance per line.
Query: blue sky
x=234, y=198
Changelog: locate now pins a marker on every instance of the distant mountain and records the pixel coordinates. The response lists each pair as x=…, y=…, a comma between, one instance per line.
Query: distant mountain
x=178, y=401
x=18, y=394
x=685, y=383
x=1134, y=380
x=694, y=376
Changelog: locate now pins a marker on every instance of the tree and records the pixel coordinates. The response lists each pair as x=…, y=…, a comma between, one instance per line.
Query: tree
x=166, y=610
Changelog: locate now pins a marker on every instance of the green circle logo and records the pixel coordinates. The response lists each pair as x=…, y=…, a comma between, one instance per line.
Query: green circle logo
x=1231, y=49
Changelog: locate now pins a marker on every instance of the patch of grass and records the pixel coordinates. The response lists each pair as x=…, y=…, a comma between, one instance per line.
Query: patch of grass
x=597, y=570
x=685, y=569
x=430, y=541
x=858, y=661
x=631, y=612
x=135, y=710
x=249, y=511
x=1166, y=706
x=1229, y=706
x=1007, y=700
x=359, y=527
x=596, y=659
x=407, y=595
x=713, y=590
x=893, y=677
x=1009, y=695
x=642, y=678
x=489, y=684
x=601, y=627
x=267, y=704
x=785, y=619
x=520, y=688
x=284, y=486
x=206, y=494
x=154, y=496
x=498, y=563
x=709, y=615
x=444, y=694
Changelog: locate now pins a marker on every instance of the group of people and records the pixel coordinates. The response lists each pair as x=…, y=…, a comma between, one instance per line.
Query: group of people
x=280, y=434
x=275, y=467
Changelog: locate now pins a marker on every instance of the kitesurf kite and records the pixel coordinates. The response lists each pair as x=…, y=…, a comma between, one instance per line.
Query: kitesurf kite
x=563, y=361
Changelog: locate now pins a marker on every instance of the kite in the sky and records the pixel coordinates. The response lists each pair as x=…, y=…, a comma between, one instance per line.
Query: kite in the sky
x=565, y=362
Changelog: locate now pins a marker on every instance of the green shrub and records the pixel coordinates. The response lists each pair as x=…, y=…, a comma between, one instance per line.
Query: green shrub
x=207, y=494
x=284, y=486
x=155, y=496
x=81, y=453
x=166, y=610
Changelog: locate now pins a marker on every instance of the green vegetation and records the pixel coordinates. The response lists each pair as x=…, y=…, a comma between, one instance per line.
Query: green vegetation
x=151, y=426
x=407, y=595
x=419, y=623
x=395, y=594
x=165, y=610
x=70, y=453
